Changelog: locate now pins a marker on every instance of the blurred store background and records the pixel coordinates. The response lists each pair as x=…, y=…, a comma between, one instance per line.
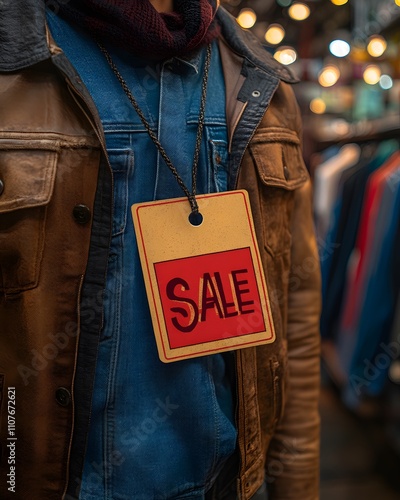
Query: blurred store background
x=346, y=54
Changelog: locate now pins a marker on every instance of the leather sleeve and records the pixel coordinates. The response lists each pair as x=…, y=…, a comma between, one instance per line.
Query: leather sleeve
x=295, y=447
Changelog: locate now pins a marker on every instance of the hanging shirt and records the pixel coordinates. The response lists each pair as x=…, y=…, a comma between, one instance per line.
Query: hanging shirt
x=370, y=360
x=327, y=177
x=338, y=254
x=158, y=431
x=365, y=235
x=338, y=244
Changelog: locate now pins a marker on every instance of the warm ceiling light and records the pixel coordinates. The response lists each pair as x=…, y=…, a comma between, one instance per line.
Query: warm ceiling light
x=318, y=106
x=372, y=74
x=339, y=48
x=247, y=18
x=386, y=82
x=299, y=11
x=339, y=2
x=376, y=46
x=275, y=34
x=286, y=55
x=329, y=76
x=397, y=2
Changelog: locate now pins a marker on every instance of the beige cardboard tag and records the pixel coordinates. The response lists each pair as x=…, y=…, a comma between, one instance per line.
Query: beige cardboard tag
x=205, y=284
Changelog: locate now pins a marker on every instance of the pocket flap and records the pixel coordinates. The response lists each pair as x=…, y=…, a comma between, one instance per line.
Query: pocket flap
x=278, y=157
x=26, y=178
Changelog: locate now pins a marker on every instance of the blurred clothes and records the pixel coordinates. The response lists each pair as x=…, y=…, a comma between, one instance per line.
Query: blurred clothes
x=337, y=250
x=327, y=178
x=372, y=332
x=360, y=264
x=377, y=209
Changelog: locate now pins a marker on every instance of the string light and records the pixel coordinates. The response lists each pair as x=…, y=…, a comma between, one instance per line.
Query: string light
x=339, y=2
x=372, y=74
x=339, y=48
x=247, y=18
x=299, y=11
x=286, y=55
x=376, y=46
x=386, y=82
x=318, y=106
x=329, y=76
x=275, y=34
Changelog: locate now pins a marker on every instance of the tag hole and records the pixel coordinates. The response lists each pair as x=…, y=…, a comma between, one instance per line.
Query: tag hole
x=195, y=219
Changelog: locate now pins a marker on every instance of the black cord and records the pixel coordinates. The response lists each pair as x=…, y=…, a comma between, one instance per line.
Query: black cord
x=190, y=195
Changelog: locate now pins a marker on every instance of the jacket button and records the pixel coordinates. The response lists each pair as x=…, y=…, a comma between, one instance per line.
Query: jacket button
x=63, y=396
x=1, y=186
x=286, y=173
x=81, y=214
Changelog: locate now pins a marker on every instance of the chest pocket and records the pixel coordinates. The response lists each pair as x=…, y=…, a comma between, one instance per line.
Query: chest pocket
x=278, y=159
x=26, y=186
x=219, y=162
x=121, y=161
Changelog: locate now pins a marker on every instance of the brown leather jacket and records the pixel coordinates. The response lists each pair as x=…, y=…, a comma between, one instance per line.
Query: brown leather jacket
x=55, y=220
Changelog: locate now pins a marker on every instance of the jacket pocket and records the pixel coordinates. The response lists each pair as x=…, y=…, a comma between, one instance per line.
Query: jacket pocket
x=278, y=158
x=27, y=179
x=121, y=161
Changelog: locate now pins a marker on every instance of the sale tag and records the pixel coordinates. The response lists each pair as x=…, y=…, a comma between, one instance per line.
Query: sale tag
x=205, y=283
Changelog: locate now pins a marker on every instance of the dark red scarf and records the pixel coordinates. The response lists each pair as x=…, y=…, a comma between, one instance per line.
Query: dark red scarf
x=136, y=26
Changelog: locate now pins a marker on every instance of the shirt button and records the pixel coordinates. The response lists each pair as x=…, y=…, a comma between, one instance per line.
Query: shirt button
x=286, y=173
x=63, y=396
x=81, y=214
x=1, y=186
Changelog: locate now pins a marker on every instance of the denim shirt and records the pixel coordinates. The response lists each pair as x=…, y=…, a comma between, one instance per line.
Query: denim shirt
x=158, y=431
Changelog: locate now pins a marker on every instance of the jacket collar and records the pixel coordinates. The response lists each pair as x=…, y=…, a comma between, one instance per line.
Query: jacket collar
x=22, y=34
x=245, y=45
x=23, y=39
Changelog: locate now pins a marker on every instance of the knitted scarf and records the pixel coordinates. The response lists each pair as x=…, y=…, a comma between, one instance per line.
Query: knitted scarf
x=136, y=26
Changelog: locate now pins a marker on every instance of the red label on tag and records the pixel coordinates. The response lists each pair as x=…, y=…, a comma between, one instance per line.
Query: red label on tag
x=209, y=297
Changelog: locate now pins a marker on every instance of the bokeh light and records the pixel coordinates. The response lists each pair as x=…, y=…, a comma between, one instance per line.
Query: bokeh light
x=318, y=106
x=339, y=48
x=286, y=55
x=376, y=46
x=386, y=82
x=247, y=18
x=328, y=76
x=372, y=74
x=275, y=34
x=299, y=11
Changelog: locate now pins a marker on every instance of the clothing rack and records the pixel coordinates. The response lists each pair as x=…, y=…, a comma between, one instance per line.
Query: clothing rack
x=361, y=355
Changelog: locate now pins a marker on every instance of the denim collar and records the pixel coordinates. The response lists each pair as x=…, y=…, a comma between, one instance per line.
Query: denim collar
x=192, y=61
